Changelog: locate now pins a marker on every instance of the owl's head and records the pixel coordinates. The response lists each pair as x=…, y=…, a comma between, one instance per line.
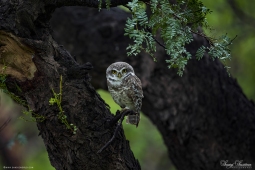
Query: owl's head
x=119, y=70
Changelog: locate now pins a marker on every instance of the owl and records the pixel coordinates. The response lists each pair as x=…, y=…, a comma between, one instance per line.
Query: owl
x=125, y=88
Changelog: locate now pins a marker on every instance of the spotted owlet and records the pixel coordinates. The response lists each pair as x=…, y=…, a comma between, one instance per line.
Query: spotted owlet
x=125, y=88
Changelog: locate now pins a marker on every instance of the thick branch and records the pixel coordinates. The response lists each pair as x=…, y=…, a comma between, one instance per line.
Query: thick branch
x=27, y=38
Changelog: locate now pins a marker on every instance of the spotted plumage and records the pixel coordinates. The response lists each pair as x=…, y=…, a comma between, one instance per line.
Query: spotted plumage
x=125, y=88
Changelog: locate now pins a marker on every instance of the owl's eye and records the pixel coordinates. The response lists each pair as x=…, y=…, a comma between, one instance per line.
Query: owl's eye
x=124, y=71
x=114, y=71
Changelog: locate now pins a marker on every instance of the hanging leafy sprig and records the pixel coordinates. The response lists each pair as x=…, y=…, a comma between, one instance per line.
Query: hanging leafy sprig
x=107, y=2
x=136, y=30
x=176, y=24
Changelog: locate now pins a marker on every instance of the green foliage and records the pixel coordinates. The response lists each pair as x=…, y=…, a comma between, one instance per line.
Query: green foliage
x=34, y=118
x=200, y=52
x=136, y=30
x=108, y=4
x=175, y=23
x=100, y=5
x=57, y=99
x=225, y=18
x=3, y=86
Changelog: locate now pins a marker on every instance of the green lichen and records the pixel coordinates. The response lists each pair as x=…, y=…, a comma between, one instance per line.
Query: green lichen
x=57, y=99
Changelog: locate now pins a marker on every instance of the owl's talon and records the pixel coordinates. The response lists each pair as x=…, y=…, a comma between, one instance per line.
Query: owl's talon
x=117, y=117
x=118, y=112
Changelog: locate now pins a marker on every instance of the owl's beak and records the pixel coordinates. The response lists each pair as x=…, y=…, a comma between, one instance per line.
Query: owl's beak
x=119, y=75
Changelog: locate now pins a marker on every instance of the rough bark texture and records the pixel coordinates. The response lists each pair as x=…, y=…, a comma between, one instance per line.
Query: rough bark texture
x=80, y=102
x=203, y=116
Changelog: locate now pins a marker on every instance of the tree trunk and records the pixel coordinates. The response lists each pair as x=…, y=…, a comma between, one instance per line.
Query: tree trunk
x=203, y=116
x=33, y=63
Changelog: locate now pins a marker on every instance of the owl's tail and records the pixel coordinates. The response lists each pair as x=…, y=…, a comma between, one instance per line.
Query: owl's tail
x=133, y=119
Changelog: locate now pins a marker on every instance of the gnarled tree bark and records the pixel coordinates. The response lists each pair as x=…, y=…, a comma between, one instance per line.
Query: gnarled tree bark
x=24, y=25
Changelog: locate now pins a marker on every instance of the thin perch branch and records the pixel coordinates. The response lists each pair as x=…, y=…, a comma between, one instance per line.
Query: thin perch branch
x=119, y=117
x=5, y=124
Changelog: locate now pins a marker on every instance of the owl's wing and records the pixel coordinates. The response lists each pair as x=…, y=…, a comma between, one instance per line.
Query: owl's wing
x=135, y=92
